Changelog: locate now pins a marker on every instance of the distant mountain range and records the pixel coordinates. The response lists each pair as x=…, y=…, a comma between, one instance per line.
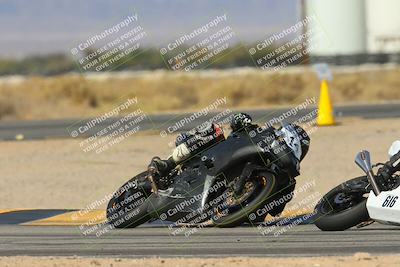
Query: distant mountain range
x=51, y=26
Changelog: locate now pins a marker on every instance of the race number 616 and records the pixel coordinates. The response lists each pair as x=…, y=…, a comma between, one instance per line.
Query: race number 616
x=390, y=201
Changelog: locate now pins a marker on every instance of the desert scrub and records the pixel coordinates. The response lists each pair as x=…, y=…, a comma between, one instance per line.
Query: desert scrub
x=75, y=95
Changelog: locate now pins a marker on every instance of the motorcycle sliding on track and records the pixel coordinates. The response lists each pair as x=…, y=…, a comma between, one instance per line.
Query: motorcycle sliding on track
x=200, y=191
x=363, y=200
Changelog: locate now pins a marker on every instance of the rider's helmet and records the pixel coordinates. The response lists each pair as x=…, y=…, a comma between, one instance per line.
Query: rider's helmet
x=240, y=121
x=297, y=139
x=394, y=149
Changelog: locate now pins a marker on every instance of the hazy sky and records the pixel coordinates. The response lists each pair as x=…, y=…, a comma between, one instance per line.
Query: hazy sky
x=48, y=26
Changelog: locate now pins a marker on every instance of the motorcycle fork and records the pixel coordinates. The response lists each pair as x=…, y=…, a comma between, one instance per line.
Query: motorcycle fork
x=247, y=171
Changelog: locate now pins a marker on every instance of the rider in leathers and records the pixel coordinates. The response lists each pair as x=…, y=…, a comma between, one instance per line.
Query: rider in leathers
x=288, y=158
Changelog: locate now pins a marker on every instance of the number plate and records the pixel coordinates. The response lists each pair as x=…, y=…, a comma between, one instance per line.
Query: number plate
x=390, y=201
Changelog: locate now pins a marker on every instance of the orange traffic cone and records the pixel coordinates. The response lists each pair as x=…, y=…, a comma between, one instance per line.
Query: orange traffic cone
x=325, y=110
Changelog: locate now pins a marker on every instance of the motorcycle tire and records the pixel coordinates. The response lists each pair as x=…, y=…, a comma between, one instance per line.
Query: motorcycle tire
x=328, y=218
x=125, y=211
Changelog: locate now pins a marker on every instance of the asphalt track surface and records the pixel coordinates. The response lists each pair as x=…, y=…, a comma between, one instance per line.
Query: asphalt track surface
x=302, y=240
x=63, y=128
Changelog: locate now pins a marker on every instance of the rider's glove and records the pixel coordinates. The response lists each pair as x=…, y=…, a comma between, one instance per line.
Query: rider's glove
x=163, y=167
x=159, y=165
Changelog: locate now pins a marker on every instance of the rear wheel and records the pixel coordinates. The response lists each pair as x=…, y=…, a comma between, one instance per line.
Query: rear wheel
x=234, y=210
x=128, y=207
x=342, y=208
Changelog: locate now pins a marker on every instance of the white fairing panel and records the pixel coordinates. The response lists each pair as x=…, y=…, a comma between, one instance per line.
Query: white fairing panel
x=385, y=207
x=394, y=149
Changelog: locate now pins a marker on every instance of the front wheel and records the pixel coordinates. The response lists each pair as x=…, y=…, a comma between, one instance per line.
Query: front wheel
x=343, y=207
x=235, y=210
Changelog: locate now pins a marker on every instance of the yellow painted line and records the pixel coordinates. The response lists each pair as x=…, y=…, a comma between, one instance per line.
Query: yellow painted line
x=288, y=213
x=9, y=210
x=72, y=218
x=293, y=213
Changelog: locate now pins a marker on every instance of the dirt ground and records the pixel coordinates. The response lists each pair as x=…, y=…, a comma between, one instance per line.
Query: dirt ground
x=357, y=260
x=58, y=174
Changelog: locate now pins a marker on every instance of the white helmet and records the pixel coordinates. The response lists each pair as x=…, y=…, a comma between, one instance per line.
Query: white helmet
x=394, y=149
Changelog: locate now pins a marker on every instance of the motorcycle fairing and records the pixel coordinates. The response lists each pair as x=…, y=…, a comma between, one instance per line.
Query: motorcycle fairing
x=385, y=207
x=208, y=167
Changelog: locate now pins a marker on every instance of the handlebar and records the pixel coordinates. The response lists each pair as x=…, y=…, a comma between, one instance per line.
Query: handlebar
x=386, y=171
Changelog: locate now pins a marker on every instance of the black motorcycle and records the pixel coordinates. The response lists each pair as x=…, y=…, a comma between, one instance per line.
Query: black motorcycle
x=201, y=191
